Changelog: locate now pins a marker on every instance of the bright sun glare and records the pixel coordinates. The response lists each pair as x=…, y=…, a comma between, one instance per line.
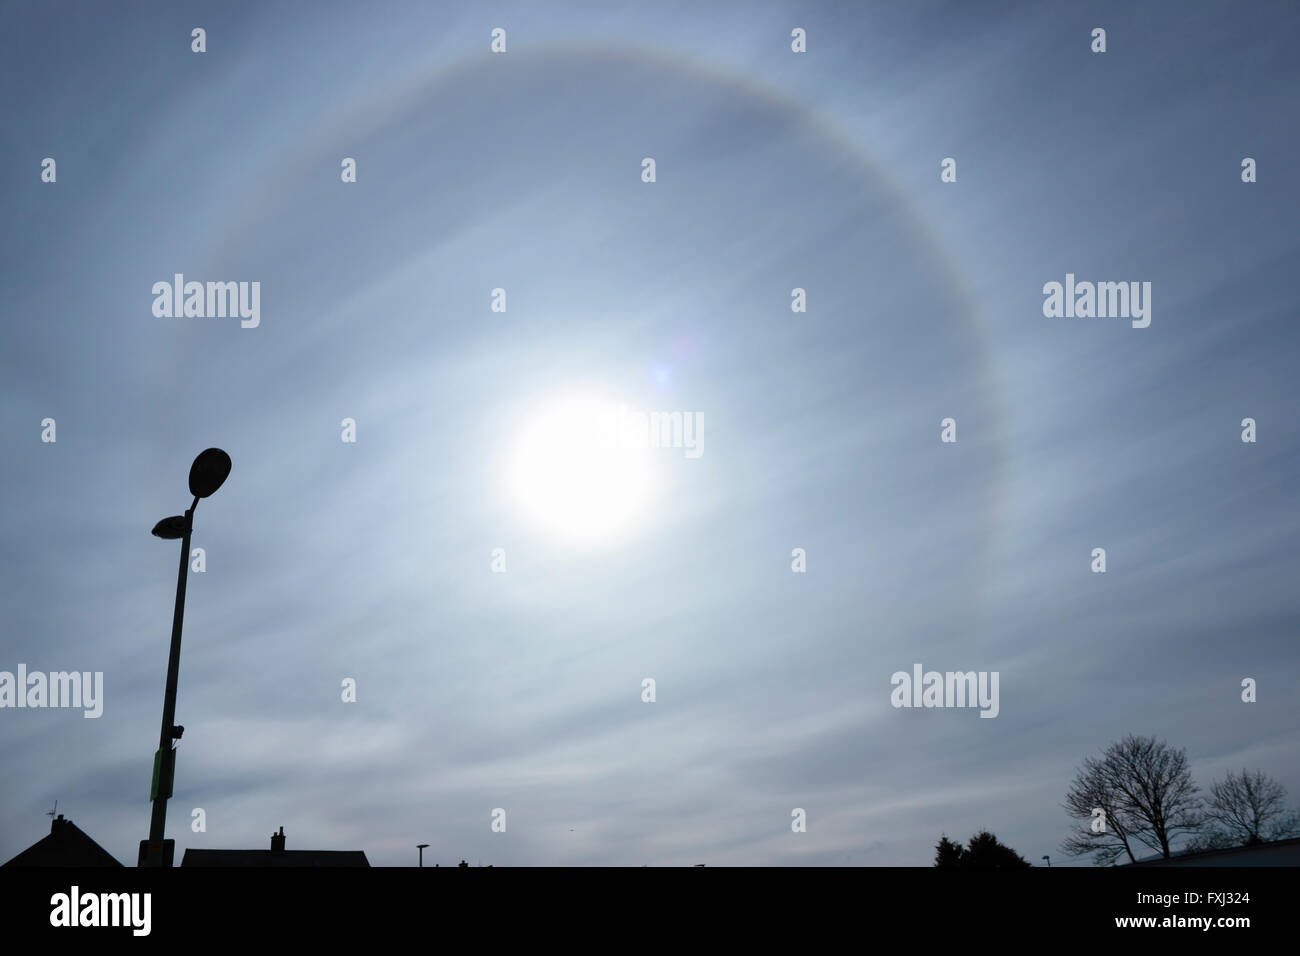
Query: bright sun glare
x=572, y=476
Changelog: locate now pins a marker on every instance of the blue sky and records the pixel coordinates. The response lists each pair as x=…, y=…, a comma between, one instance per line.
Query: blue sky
x=522, y=690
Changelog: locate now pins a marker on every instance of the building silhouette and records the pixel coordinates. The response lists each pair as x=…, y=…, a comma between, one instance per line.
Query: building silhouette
x=1272, y=853
x=66, y=845
x=276, y=856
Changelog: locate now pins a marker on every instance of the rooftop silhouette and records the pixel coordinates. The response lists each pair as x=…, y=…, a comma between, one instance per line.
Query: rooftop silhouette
x=277, y=855
x=66, y=845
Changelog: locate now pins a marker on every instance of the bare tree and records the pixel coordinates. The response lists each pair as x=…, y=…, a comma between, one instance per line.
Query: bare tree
x=1107, y=833
x=1248, y=808
x=1144, y=788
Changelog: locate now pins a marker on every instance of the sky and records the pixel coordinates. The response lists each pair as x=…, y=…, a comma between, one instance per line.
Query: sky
x=480, y=689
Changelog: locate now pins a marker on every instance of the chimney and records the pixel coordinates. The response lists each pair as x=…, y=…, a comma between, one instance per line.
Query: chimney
x=57, y=823
x=277, y=841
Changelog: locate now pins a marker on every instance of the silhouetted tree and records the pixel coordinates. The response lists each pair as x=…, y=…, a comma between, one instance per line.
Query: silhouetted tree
x=1146, y=791
x=947, y=853
x=982, y=852
x=1248, y=808
x=1090, y=792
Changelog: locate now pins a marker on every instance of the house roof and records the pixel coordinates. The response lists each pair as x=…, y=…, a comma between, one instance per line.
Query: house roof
x=1273, y=853
x=66, y=845
x=289, y=858
x=276, y=856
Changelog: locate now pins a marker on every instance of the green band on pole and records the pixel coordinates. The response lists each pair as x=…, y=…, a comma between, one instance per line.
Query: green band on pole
x=164, y=774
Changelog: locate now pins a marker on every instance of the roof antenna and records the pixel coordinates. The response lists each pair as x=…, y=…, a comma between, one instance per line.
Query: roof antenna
x=50, y=813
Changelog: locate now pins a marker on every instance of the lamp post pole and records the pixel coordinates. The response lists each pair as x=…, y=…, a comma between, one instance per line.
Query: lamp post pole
x=166, y=754
x=207, y=473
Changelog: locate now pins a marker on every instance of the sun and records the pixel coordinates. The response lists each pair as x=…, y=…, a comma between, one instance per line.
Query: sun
x=573, y=475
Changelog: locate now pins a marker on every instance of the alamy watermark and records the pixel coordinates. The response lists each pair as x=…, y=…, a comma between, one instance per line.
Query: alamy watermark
x=621, y=427
x=56, y=689
x=948, y=689
x=1101, y=300
x=75, y=908
x=211, y=300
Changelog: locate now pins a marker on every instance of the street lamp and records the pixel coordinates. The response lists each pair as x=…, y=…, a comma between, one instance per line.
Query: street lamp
x=207, y=473
x=420, y=847
x=1048, y=859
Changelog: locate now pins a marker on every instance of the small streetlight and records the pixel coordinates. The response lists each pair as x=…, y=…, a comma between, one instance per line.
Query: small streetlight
x=207, y=473
x=420, y=847
x=1048, y=859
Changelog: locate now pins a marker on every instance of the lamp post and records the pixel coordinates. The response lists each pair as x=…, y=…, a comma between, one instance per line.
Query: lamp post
x=1048, y=859
x=207, y=473
x=420, y=847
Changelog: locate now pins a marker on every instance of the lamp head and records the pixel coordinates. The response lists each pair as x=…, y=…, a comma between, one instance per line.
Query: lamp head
x=170, y=528
x=208, y=472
